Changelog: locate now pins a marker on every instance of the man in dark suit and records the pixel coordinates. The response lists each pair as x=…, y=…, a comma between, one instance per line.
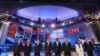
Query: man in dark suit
x=27, y=48
x=18, y=48
x=66, y=47
x=57, y=48
x=88, y=47
x=48, y=47
x=38, y=48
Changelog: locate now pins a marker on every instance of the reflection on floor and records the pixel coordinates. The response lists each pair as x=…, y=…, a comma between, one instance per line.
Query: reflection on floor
x=32, y=54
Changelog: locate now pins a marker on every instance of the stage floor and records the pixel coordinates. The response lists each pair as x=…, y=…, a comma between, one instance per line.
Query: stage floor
x=42, y=54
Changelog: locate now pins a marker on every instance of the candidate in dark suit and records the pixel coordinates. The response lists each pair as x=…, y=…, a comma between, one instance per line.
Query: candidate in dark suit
x=48, y=47
x=57, y=47
x=17, y=48
x=88, y=47
x=66, y=47
x=38, y=48
x=27, y=48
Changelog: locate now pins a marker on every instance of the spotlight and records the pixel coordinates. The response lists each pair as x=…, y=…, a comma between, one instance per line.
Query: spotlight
x=31, y=23
x=6, y=22
x=91, y=22
x=63, y=23
x=43, y=25
x=52, y=25
x=23, y=21
x=99, y=13
x=70, y=22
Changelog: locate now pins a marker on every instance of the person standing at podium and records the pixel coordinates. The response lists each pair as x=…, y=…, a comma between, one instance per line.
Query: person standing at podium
x=27, y=48
x=57, y=48
x=79, y=48
x=38, y=48
x=66, y=47
x=88, y=47
x=48, y=47
x=18, y=48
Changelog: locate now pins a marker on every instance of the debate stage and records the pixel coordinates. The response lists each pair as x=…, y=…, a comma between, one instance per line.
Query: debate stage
x=42, y=54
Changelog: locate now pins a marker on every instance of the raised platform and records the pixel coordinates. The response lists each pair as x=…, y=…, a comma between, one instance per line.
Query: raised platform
x=42, y=54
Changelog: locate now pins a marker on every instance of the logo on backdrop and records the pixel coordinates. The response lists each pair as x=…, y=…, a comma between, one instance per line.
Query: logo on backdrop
x=73, y=30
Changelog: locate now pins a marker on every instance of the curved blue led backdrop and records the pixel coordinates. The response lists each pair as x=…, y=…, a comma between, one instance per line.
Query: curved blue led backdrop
x=47, y=12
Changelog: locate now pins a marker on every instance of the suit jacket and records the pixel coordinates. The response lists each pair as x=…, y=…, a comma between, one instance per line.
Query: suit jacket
x=38, y=48
x=57, y=49
x=48, y=47
x=88, y=47
x=66, y=48
x=17, y=48
x=27, y=49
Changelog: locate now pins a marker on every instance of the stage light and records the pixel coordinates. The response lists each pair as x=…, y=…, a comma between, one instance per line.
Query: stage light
x=70, y=22
x=23, y=21
x=91, y=22
x=43, y=25
x=88, y=23
x=52, y=25
x=6, y=22
x=31, y=23
x=63, y=23
x=99, y=13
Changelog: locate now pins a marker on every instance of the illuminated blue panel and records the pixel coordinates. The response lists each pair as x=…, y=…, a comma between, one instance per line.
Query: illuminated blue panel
x=10, y=39
x=47, y=12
